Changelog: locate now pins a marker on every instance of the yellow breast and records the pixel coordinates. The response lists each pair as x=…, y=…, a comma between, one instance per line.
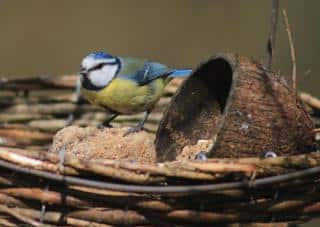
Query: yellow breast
x=125, y=96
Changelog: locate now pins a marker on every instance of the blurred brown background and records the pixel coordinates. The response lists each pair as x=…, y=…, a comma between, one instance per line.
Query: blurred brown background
x=51, y=37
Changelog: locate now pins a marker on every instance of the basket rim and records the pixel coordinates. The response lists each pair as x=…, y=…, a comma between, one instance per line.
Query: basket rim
x=309, y=165
x=255, y=183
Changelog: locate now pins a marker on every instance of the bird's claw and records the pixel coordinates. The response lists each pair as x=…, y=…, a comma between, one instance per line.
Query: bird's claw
x=103, y=126
x=100, y=126
x=133, y=130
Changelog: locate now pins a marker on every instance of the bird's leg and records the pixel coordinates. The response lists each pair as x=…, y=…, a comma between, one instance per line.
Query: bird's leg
x=140, y=125
x=106, y=123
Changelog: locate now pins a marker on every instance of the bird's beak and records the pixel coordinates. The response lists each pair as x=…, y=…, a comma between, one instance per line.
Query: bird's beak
x=83, y=72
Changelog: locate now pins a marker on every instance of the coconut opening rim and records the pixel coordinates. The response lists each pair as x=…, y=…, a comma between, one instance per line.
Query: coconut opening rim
x=213, y=91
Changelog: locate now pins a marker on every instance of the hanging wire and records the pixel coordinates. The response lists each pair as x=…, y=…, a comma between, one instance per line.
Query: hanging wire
x=68, y=180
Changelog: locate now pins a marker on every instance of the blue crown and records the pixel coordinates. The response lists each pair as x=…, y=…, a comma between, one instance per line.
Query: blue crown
x=100, y=55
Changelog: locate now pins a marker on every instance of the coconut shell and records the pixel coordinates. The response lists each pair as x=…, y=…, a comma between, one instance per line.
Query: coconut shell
x=241, y=106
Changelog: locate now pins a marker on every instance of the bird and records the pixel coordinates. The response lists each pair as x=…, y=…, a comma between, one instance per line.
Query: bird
x=125, y=85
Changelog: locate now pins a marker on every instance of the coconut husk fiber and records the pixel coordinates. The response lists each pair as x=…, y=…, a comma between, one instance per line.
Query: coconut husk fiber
x=108, y=143
x=91, y=143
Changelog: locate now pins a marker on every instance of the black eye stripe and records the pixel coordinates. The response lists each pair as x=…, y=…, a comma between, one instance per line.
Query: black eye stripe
x=99, y=66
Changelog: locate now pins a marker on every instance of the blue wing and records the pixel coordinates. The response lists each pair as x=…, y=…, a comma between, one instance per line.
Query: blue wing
x=180, y=73
x=143, y=71
x=151, y=71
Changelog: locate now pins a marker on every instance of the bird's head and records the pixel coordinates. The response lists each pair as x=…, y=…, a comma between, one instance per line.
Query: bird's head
x=98, y=69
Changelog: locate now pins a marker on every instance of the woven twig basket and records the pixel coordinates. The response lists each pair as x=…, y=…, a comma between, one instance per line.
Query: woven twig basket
x=47, y=189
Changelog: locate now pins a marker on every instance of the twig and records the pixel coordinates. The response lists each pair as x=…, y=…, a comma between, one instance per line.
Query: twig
x=54, y=217
x=310, y=100
x=316, y=130
x=115, y=216
x=272, y=33
x=205, y=217
x=293, y=55
x=50, y=197
x=22, y=218
x=6, y=221
x=151, y=173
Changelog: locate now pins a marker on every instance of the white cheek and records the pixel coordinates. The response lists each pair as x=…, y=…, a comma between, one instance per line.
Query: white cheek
x=103, y=77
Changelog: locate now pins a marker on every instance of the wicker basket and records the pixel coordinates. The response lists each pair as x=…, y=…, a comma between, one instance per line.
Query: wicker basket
x=46, y=189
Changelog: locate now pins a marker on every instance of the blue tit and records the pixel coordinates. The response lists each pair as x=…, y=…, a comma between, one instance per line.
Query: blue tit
x=125, y=85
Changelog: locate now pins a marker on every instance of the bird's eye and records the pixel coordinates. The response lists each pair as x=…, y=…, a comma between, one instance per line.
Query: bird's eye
x=99, y=66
